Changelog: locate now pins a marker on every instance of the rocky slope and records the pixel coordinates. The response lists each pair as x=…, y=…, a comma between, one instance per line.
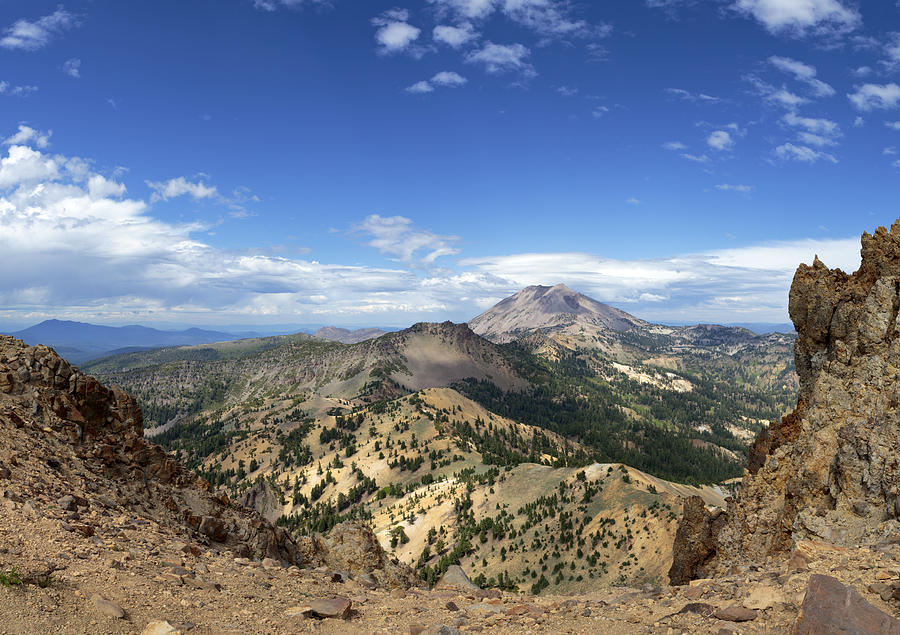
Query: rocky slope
x=830, y=470
x=346, y=336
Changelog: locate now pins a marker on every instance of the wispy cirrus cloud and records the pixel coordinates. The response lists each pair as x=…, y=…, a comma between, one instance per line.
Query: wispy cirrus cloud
x=399, y=238
x=180, y=186
x=502, y=58
x=803, y=73
x=32, y=35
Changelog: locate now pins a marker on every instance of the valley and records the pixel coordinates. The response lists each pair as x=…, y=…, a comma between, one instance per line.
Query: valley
x=543, y=459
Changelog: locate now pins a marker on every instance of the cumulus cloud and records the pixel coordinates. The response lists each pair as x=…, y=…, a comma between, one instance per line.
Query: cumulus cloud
x=801, y=17
x=85, y=250
x=720, y=140
x=398, y=237
x=803, y=73
x=72, y=67
x=803, y=154
x=448, y=79
x=180, y=186
x=454, y=36
x=502, y=58
x=420, y=88
x=26, y=135
x=875, y=96
x=27, y=35
x=395, y=34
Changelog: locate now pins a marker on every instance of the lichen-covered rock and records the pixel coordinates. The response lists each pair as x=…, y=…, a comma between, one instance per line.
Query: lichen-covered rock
x=830, y=470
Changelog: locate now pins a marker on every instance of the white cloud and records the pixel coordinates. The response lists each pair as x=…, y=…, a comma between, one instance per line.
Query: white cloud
x=803, y=73
x=727, y=187
x=863, y=71
x=454, y=36
x=30, y=136
x=720, y=140
x=599, y=111
x=718, y=285
x=859, y=122
x=893, y=125
x=674, y=145
x=398, y=237
x=778, y=96
x=448, y=79
x=72, y=67
x=689, y=96
x=395, y=34
x=272, y=5
x=702, y=158
x=801, y=17
x=173, y=188
x=813, y=131
x=16, y=91
x=567, y=91
x=25, y=35
x=420, y=88
x=889, y=151
x=549, y=18
x=871, y=96
x=502, y=58
x=803, y=154
x=85, y=251
x=633, y=201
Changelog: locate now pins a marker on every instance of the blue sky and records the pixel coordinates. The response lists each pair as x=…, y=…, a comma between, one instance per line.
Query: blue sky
x=301, y=161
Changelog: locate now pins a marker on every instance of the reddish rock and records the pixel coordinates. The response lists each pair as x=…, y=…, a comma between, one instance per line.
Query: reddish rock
x=831, y=607
x=335, y=607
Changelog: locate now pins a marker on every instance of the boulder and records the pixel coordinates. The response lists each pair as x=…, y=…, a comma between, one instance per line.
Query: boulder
x=831, y=607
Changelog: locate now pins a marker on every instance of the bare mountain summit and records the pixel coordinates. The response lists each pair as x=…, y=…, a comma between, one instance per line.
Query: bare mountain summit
x=346, y=336
x=548, y=308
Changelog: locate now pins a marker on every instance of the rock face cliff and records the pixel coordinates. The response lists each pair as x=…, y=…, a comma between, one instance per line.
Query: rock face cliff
x=830, y=470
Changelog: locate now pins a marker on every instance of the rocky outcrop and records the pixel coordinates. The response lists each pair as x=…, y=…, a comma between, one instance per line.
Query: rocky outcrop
x=66, y=423
x=262, y=498
x=830, y=470
x=353, y=548
x=695, y=541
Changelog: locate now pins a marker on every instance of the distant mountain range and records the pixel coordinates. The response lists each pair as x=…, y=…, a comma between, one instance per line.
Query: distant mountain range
x=80, y=342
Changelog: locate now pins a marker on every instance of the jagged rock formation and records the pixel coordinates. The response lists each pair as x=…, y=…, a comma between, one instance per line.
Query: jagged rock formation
x=831, y=469
x=75, y=424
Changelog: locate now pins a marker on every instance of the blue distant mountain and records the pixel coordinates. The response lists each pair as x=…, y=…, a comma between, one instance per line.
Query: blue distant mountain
x=80, y=342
